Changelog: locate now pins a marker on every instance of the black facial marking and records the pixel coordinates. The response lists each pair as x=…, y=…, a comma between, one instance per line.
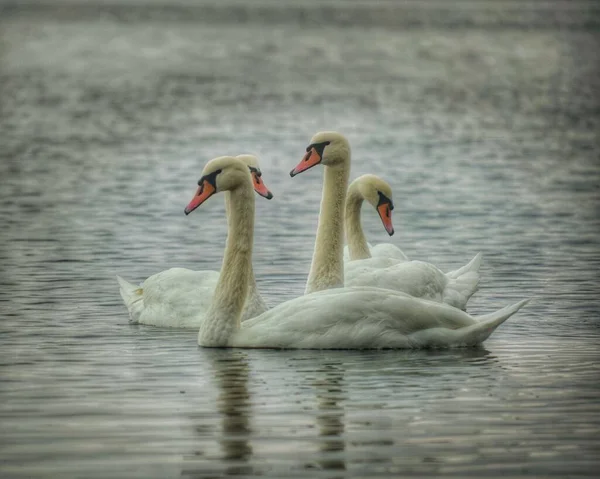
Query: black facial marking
x=211, y=178
x=319, y=147
x=385, y=200
x=256, y=174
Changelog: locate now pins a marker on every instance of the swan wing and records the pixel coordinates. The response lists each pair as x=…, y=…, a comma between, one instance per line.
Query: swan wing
x=385, y=251
x=356, y=267
x=175, y=298
x=463, y=283
x=419, y=279
x=388, y=250
x=348, y=318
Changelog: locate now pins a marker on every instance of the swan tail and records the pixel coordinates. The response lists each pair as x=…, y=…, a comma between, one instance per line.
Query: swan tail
x=502, y=314
x=462, y=283
x=133, y=297
x=471, y=267
x=467, y=336
x=487, y=324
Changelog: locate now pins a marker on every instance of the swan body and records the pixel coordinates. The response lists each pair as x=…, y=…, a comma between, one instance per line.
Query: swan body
x=417, y=278
x=337, y=318
x=381, y=250
x=179, y=297
x=171, y=298
x=366, y=318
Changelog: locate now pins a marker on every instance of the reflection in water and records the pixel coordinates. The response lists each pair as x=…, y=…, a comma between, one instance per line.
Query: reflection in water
x=401, y=377
x=475, y=356
x=330, y=416
x=230, y=372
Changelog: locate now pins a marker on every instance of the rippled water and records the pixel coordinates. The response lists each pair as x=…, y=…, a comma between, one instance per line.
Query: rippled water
x=484, y=117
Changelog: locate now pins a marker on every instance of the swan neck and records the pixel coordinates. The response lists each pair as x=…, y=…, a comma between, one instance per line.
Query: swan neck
x=223, y=317
x=355, y=236
x=327, y=268
x=253, y=295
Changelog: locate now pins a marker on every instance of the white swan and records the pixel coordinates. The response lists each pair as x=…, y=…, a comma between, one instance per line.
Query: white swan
x=417, y=278
x=177, y=297
x=378, y=193
x=339, y=318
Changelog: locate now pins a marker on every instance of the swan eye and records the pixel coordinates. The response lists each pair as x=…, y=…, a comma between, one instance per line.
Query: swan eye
x=384, y=200
x=211, y=178
x=318, y=147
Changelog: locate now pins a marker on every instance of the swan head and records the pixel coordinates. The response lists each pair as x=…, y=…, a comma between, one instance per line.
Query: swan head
x=329, y=148
x=379, y=194
x=251, y=162
x=225, y=173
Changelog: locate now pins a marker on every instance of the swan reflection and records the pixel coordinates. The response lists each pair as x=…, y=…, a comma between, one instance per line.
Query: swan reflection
x=230, y=372
x=233, y=402
x=330, y=394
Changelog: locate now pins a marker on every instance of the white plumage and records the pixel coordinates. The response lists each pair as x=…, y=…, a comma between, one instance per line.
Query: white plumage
x=366, y=318
x=417, y=278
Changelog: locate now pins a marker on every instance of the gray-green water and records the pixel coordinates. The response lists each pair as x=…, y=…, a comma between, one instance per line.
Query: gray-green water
x=483, y=116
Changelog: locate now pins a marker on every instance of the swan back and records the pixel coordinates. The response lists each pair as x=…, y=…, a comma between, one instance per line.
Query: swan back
x=366, y=318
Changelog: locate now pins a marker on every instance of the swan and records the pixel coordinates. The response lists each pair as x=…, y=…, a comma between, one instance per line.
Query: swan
x=177, y=297
x=378, y=193
x=417, y=278
x=338, y=318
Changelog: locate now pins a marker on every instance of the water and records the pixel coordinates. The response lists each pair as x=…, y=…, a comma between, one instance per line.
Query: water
x=484, y=117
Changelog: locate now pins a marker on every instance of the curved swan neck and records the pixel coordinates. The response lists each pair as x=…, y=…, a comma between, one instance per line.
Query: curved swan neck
x=357, y=242
x=327, y=268
x=223, y=317
x=252, y=286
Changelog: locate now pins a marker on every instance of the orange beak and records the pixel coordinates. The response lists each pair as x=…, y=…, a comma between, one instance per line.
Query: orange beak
x=260, y=187
x=385, y=213
x=204, y=192
x=311, y=159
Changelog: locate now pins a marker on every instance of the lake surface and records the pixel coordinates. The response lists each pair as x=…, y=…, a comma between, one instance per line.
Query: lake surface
x=483, y=116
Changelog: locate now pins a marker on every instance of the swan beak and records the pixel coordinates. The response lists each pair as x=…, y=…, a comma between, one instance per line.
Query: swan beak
x=260, y=187
x=385, y=213
x=204, y=192
x=311, y=159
